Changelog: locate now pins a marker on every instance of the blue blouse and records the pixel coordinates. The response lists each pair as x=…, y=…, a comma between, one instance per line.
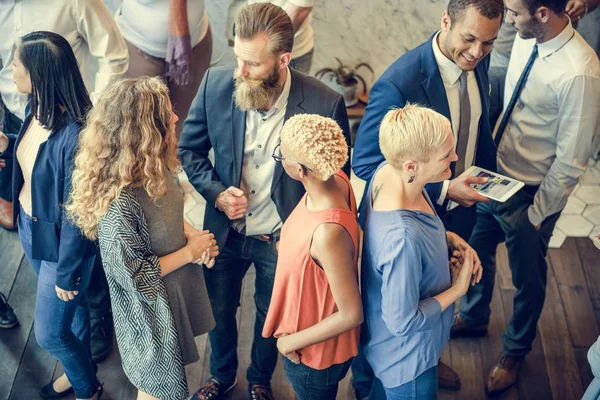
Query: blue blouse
x=404, y=264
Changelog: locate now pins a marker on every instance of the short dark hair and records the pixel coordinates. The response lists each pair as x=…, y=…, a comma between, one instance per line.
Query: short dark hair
x=266, y=18
x=490, y=9
x=557, y=6
x=55, y=79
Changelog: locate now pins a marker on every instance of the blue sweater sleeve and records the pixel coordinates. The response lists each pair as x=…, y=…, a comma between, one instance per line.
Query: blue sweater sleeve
x=403, y=311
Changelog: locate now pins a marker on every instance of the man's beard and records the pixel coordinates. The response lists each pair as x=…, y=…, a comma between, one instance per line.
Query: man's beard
x=533, y=29
x=255, y=94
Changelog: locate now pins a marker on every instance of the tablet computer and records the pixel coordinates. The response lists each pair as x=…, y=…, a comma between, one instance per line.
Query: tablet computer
x=498, y=187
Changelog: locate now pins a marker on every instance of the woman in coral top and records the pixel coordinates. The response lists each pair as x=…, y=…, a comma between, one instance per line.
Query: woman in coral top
x=316, y=310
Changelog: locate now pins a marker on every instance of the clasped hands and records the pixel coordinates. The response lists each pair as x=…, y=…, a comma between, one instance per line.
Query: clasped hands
x=459, y=248
x=202, y=245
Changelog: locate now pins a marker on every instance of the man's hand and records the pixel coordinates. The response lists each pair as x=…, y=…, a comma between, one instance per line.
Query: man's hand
x=3, y=142
x=233, y=203
x=2, y=164
x=575, y=9
x=460, y=190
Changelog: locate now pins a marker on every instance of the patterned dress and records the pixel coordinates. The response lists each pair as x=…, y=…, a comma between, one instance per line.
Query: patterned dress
x=144, y=324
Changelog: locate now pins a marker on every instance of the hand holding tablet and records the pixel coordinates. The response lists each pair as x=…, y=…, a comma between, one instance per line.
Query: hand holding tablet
x=498, y=187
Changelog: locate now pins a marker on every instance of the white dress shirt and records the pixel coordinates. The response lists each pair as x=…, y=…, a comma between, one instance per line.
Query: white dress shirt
x=262, y=136
x=548, y=138
x=450, y=75
x=86, y=24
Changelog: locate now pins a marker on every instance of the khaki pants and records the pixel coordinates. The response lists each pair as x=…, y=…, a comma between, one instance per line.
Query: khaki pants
x=142, y=64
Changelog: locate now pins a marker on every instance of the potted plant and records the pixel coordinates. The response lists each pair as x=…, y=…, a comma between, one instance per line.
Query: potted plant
x=345, y=80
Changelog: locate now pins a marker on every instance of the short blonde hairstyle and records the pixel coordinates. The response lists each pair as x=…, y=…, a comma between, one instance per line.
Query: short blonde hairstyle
x=317, y=142
x=268, y=18
x=412, y=133
x=128, y=141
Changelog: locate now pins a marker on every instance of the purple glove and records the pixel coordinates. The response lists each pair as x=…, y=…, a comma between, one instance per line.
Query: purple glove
x=179, y=59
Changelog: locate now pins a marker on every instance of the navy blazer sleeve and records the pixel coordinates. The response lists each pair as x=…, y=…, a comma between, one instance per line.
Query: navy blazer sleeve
x=341, y=117
x=12, y=139
x=194, y=146
x=73, y=245
x=384, y=96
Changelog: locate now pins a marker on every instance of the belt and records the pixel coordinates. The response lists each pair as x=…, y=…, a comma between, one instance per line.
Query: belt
x=531, y=190
x=270, y=238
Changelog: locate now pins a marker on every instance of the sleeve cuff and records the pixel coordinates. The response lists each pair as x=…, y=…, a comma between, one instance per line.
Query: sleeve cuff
x=443, y=192
x=534, y=217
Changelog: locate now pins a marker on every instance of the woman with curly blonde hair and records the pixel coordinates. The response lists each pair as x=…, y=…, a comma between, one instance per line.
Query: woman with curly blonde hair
x=315, y=309
x=125, y=194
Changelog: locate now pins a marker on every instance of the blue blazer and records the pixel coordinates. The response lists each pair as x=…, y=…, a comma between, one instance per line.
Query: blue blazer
x=53, y=237
x=214, y=121
x=415, y=78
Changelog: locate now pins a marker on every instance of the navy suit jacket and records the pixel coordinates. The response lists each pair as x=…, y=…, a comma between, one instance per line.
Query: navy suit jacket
x=54, y=238
x=214, y=121
x=415, y=77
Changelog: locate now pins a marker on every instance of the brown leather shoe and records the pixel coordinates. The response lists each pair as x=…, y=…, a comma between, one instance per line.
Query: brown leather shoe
x=447, y=378
x=503, y=375
x=6, y=214
x=462, y=329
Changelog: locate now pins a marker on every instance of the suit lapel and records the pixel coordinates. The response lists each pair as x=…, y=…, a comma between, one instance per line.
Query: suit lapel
x=238, y=134
x=295, y=99
x=433, y=84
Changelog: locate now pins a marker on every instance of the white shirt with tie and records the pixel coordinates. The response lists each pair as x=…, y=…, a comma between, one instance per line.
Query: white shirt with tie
x=548, y=138
x=450, y=76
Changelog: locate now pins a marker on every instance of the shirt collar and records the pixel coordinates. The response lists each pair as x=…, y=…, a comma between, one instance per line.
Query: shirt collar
x=547, y=48
x=448, y=69
x=283, y=96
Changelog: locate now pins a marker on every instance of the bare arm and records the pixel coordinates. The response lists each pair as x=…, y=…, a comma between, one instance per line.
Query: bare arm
x=333, y=250
x=297, y=14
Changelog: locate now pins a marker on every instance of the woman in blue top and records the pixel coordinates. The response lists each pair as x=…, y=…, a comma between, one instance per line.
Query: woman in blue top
x=408, y=289
x=46, y=69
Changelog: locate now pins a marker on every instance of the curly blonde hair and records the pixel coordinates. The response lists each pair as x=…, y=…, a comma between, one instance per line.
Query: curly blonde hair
x=317, y=142
x=129, y=141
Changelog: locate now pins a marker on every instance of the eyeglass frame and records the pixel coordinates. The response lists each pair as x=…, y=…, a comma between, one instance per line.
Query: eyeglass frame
x=281, y=158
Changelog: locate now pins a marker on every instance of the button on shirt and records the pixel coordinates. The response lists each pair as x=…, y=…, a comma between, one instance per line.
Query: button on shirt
x=450, y=75
x=548, y=138
x=86, y=24
x=261, y=137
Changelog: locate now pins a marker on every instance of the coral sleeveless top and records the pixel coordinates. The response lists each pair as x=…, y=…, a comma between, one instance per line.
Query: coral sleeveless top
x=301, y=294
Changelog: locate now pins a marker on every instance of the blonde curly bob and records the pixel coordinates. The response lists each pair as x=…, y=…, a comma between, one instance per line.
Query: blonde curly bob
x=128, y=141
x=317, y=142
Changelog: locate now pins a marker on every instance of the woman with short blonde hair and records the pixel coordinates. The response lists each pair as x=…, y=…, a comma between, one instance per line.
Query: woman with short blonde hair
x=407, y=288
x=125, y=194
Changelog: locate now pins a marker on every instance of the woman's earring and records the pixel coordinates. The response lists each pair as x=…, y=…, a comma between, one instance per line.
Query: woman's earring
x=411, y=179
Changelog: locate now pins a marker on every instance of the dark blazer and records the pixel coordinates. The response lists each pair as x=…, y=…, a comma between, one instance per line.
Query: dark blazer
x=214, y=121
x=53, y=237
x=415, y=77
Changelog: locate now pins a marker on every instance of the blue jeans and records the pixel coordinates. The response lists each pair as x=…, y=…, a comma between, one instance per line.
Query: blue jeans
x=224, y=285
x=314, y=384
x=362, y=375
x=62, y=327
x=423, y=387
x=508, y=221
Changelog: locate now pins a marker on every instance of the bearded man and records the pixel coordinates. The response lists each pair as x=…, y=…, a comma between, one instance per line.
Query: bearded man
x=240, y=115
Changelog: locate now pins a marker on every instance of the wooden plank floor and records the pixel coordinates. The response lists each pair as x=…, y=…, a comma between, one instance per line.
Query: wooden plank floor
x=556, y=369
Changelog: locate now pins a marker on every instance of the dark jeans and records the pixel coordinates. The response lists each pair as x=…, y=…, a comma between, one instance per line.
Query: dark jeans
x=362, y=375
x=460, y=220
x=10, y=124
x=498, y=222
x=98, y=296
x=314, y=384
x=423, y=387
x=62, y=328
x=224, y=284
x=303, y=63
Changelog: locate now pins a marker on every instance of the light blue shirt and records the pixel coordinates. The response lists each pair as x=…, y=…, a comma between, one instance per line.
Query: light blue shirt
x=404, y=264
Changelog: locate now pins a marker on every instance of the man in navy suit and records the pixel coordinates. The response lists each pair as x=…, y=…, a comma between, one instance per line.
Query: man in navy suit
x=449, y=74
x=240, y=114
